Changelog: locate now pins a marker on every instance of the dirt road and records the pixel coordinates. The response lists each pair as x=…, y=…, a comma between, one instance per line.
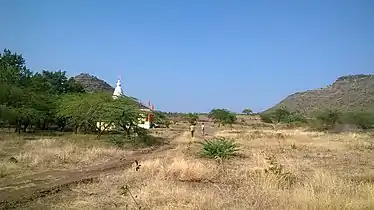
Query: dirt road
x=28, y=188
x=22, y=191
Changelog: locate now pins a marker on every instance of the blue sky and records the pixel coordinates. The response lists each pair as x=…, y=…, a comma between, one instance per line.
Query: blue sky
x=193, y=56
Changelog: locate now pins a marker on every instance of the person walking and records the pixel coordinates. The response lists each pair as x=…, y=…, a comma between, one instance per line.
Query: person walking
x=203, y=129
x=192, y=129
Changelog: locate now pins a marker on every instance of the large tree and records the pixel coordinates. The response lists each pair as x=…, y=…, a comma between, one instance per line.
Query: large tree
x=27, y=98
x=222, y=116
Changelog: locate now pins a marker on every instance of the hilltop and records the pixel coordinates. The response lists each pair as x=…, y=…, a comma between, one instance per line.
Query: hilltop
x=347, y=93
x=92, y=83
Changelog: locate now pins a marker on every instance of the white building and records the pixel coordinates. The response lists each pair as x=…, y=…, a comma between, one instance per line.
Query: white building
x=118, y=90
x=145, y=120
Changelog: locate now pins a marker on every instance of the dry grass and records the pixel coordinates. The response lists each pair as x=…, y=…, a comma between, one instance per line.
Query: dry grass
x=65, y=152
x=328, y=173
x=320, y=171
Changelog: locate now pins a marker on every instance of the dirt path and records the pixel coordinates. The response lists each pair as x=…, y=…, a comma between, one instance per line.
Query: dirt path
x=28, y=188
x=20, y=192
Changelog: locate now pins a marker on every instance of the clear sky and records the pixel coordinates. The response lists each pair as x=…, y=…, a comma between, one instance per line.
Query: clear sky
x=195, y=55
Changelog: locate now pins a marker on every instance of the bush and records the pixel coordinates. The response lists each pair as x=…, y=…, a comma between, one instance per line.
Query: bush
x=161, y=119
x=266, y=118
x=222, y=116
x=118, y=141
x=219, y=147
x=364, y=120
x=327, y=119
x=282, y=115
x=191, y=118
x=139, y=138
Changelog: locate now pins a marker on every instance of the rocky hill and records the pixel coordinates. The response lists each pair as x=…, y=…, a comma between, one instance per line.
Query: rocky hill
x=92, y=83
x=347, y=93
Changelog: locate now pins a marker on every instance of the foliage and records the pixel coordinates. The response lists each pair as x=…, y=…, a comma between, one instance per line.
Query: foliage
x=219, y=147
x=247, y=111
x=45, y=98
x=161, y=118
x=118, y=141
x=27, y=99
x=84, y=110
x=363, y=119
x=326, y=119
x=125, y=113
x=191, y=118
x=222, y=116
x=266, y=117
x=282, y=115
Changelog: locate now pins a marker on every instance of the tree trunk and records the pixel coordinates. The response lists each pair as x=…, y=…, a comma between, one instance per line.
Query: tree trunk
x=45, y=125
x=18, y=126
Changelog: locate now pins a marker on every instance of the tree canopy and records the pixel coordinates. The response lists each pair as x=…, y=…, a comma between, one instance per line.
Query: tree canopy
x=247, y=111
x=49, y=98
x=222, y=116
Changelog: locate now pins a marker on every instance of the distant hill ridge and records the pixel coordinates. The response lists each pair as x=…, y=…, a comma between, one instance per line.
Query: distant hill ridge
x=92, y=83
x=347, y=93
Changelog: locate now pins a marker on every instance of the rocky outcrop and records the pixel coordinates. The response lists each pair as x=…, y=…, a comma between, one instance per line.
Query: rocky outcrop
x=92, y=83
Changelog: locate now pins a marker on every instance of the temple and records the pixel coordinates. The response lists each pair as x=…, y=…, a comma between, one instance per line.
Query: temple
x=118, y=90
x=145, y=119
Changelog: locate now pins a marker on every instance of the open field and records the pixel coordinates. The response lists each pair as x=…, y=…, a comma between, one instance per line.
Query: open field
x=314, y=171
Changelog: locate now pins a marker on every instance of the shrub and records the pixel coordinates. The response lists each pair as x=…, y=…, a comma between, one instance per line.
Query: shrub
x=219, y=147
x=364, y=120
x=222, y=116
x=328, y=118
x=161, y=119
x=282, y=115
x=247, y=111
x=118, y=141
x=266, y=117
x=191, y=118
x=277, y=169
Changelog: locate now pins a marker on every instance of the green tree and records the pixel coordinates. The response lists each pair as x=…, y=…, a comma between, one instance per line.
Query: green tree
x=363, y=119
x=327, y=119
x=125, y=112
x=28, y=99
x=84, y=110
x=222, y=116
x=160, y=118
x=282, y=115
x=191, y=118
x=16, y=99
x=247, y=111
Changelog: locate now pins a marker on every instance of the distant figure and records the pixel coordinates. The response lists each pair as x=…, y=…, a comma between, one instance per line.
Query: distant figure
x=192, y=129
x=203, y=129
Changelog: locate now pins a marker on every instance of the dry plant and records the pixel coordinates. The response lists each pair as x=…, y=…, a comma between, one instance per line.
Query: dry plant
x=281, y=169
x=267, y=178
x=53, y=153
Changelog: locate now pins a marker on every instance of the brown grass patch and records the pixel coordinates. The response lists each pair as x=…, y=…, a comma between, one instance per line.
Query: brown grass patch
x=313, y=170
x=54, y=153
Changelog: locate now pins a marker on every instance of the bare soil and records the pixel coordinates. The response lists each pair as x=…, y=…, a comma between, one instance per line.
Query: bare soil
x=28, y=188
x=26, y=191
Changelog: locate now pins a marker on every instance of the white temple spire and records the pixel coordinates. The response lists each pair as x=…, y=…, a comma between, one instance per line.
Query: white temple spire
x=118, y=90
